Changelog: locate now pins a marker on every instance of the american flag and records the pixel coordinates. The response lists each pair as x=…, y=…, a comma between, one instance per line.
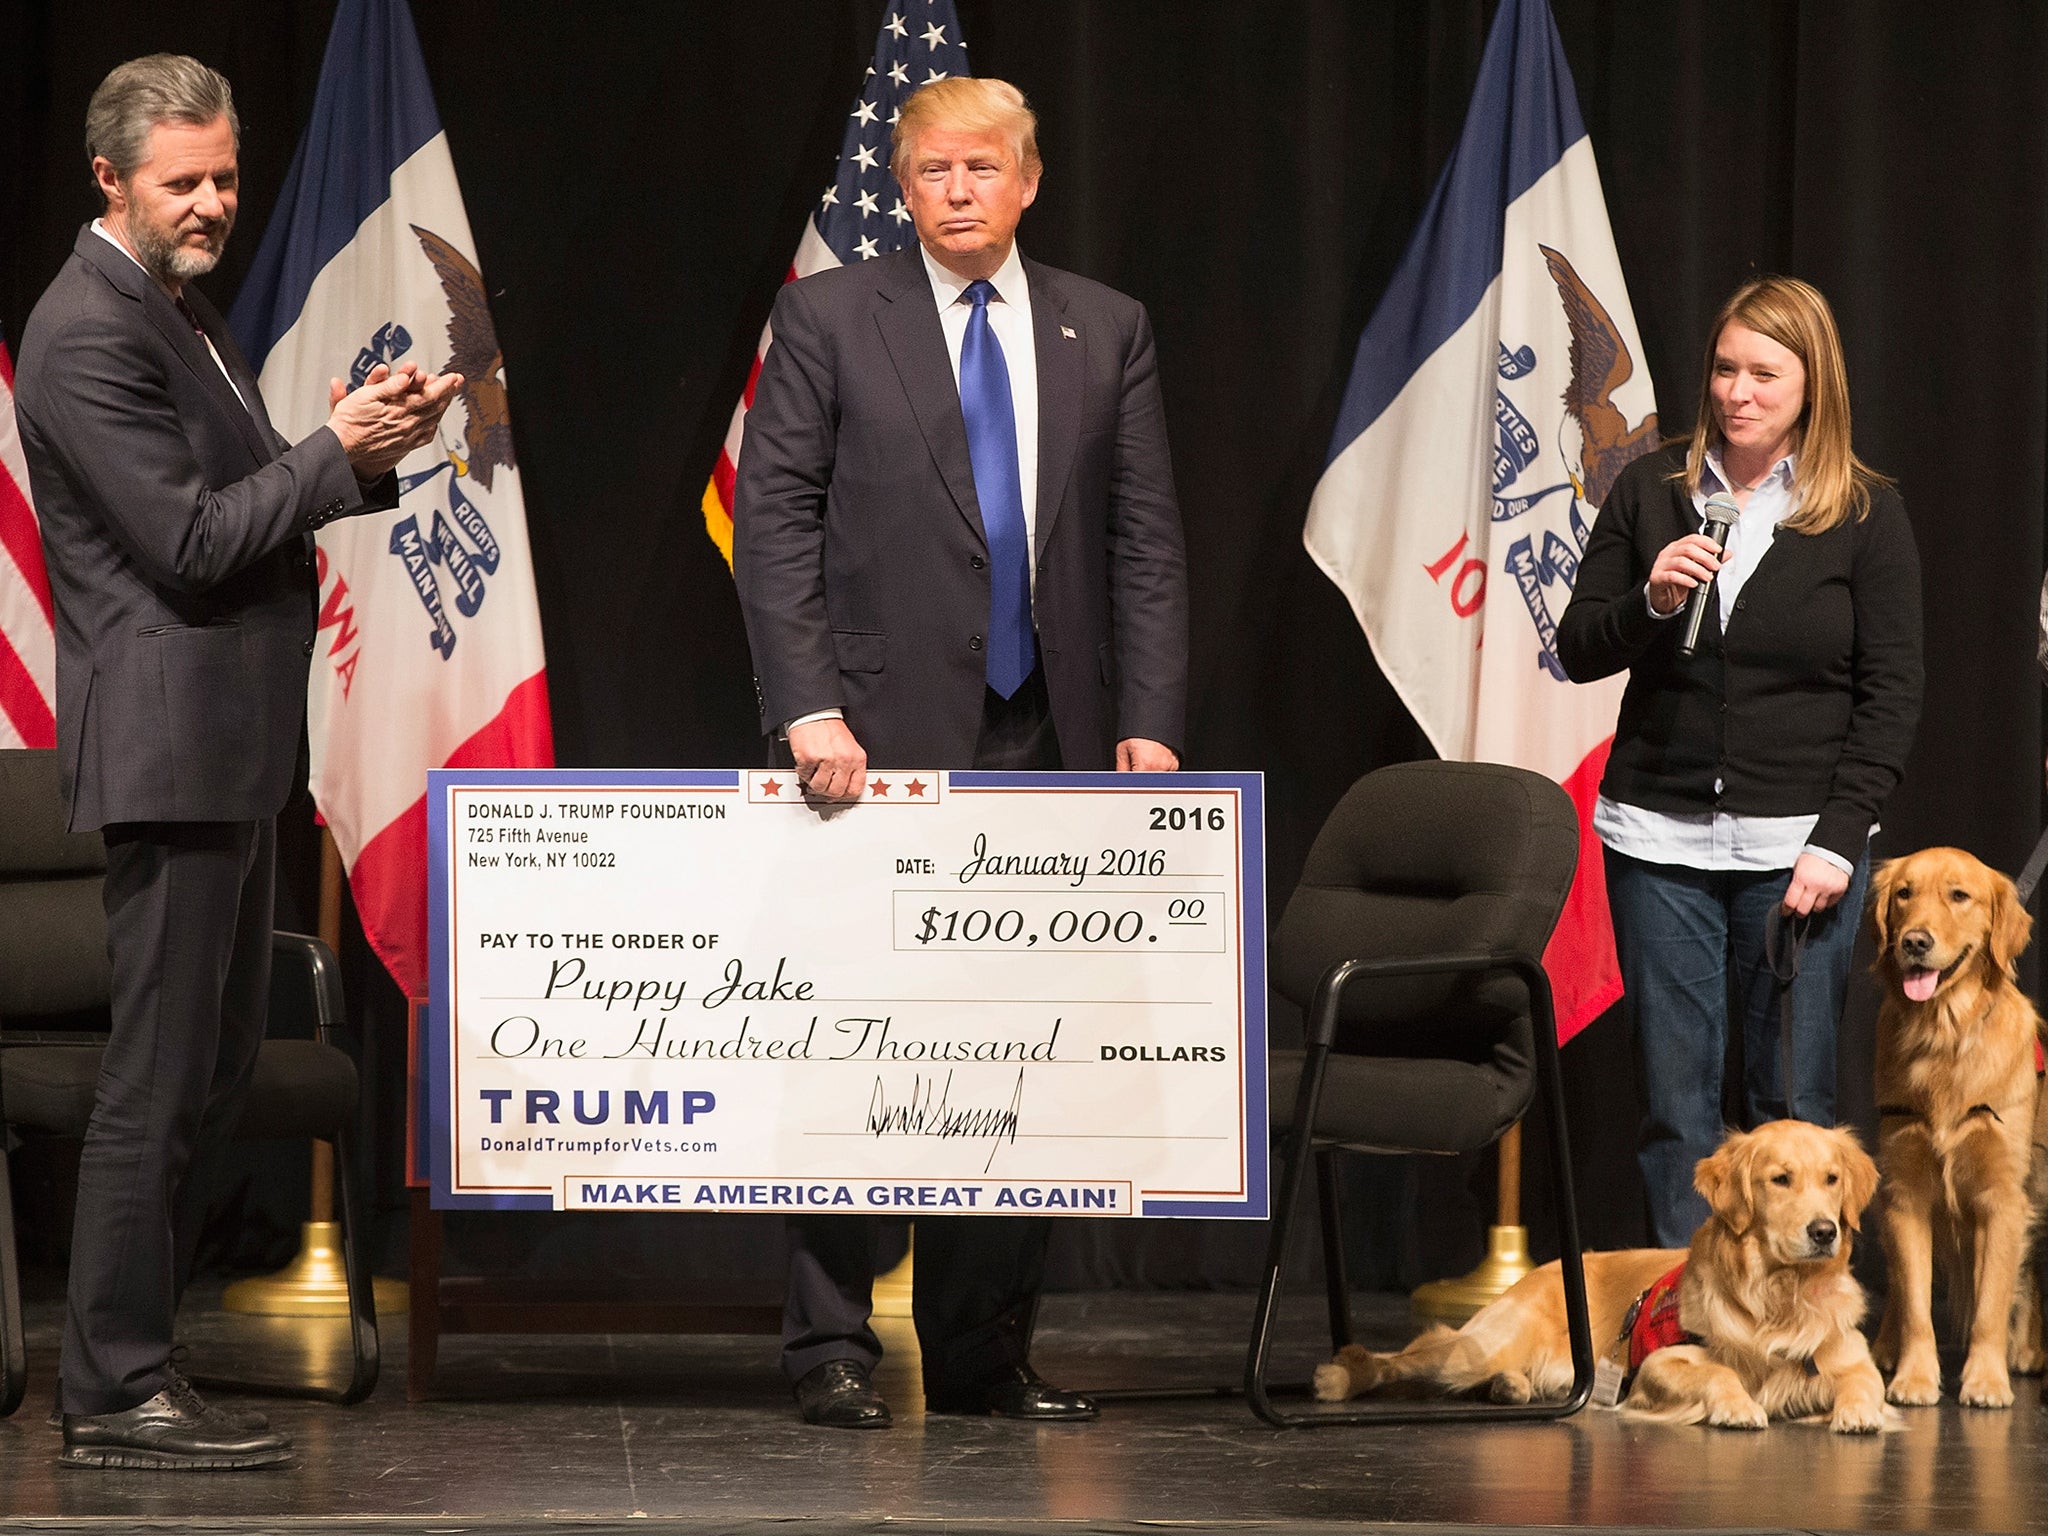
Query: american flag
x=862, y=214
x=28, y=642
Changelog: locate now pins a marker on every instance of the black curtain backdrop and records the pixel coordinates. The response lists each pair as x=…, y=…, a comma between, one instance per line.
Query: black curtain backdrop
x=637, y=176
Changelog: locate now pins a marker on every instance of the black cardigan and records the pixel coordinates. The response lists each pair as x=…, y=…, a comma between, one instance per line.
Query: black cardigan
x=1806, y=705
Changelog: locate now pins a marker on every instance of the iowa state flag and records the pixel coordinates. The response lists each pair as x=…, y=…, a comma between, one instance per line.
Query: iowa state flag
x=1497, y=392
x=429, y=650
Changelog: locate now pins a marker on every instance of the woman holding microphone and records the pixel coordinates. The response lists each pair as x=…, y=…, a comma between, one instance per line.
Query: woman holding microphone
x=1747, y=775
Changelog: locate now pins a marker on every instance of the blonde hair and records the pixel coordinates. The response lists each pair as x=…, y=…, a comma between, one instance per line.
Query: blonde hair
x=1834, y=485
x=966, y=104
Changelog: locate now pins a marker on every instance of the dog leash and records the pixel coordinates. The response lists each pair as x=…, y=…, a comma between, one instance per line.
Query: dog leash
x=1785, y=939
x=2037, y=861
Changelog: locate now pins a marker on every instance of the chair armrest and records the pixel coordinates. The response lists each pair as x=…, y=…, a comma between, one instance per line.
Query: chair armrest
x=323, y=971
x=12, y=1038
x=1321, y=1025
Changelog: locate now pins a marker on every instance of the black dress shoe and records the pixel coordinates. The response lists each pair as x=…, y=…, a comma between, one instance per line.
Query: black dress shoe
x=1017, y=1393
x=244, y=1421
x=240, y=1421
x=839, y=1395
x=174, y=1431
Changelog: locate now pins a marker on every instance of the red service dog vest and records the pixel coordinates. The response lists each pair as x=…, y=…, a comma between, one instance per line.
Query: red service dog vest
x=1653, y=1321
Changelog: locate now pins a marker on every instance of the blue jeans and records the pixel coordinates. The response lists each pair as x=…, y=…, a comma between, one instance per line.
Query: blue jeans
x=1691, y=945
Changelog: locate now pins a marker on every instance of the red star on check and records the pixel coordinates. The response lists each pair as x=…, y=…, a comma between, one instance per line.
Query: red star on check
x=877, y=787
x=771, y=786
x=914, y=787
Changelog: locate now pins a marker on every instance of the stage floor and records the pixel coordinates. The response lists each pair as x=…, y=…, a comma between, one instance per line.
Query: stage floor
x=623, y=1433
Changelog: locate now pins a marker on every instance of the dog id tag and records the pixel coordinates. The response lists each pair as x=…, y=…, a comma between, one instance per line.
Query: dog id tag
x=1609, y=1377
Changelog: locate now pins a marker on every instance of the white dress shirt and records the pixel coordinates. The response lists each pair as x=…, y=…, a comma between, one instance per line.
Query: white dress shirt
x=1009, y=316
x=1718, y=839
x=102, y=231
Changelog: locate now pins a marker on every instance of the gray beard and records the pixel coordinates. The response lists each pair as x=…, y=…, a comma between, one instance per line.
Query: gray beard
x=168, y=261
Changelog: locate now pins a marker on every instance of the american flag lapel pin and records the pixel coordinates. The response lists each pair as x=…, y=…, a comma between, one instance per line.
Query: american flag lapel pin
x=1068, y=332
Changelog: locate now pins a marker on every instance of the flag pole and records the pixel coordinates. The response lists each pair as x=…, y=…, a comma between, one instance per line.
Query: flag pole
x=315, y=1283
x=892, y=1291
x=1507, y=1249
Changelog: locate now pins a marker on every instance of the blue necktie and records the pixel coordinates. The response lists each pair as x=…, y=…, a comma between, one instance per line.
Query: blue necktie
x=992, y=448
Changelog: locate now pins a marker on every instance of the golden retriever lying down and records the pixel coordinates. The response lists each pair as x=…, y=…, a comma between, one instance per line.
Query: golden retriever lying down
x=1766, y=1291
x=1955, y=1096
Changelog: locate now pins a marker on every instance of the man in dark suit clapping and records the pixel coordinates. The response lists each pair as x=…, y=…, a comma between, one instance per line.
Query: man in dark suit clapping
x=957, y=546
x=177, y=529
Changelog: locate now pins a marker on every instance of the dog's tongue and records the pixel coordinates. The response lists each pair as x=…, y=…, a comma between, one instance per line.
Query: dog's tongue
x=1919, y=985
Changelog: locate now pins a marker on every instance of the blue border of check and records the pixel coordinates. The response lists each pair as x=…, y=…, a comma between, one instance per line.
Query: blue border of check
x=435, y=1067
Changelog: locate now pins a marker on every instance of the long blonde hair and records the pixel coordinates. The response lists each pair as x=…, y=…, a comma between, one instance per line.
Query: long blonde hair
x=1834, y=485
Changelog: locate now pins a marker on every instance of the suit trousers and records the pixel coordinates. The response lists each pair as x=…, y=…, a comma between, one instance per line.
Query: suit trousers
x=974, y=1288
x=188, y=932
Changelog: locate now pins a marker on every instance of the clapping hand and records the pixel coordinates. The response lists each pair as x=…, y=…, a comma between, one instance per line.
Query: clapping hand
x=391, y=414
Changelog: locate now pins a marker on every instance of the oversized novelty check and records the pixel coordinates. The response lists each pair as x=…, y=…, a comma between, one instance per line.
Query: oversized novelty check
x=1009, y=994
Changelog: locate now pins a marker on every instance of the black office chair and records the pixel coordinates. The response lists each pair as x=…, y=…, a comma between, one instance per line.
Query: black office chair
x=1414, y=943
x=54, y=977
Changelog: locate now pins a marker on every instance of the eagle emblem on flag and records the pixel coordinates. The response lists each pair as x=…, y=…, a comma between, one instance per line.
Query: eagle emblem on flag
x=1600, y=365
x=474, y=353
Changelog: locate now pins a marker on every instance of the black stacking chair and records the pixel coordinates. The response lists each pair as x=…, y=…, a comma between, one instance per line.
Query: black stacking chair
x=1414, y=943
x=53, y=998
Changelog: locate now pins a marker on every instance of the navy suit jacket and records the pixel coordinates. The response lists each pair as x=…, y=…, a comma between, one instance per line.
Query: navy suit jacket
x=174, y=523
x=858, y=547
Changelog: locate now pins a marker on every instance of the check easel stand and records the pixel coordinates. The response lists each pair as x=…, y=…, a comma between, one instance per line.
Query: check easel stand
x=442, y=1304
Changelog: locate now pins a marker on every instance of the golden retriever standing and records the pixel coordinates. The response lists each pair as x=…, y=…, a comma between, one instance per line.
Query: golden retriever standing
x=1955, y=1093
x=1766, y=1291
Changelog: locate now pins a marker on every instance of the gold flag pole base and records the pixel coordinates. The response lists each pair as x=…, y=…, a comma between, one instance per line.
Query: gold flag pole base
x=315, y=1284
x=892, y=1291
x=1456, y=1299
x=1507, y=1249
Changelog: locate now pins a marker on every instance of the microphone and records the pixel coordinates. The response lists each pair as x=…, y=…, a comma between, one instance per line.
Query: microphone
x=1719, y=516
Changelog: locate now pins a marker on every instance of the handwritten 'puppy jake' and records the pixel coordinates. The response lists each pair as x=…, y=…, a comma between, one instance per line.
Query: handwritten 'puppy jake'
x=1955, y=1098
x=1766, y=1296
